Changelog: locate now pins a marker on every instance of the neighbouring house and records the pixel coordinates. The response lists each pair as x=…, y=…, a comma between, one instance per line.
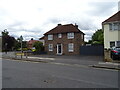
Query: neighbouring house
x=30, y=43
x=64, y=40
x=111, y=28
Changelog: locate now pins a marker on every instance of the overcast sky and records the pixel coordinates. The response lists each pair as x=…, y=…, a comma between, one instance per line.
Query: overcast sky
x=32, y=18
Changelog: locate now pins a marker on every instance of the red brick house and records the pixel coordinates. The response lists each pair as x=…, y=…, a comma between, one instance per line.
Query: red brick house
x=30, y=43
x=64, y=40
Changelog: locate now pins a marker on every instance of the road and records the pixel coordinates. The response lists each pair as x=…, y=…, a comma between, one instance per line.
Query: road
x=21, y=74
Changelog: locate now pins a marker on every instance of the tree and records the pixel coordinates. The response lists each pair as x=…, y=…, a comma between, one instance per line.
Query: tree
x=7, y=41
x=98, y=37
x=38, y=46
x=18, y=44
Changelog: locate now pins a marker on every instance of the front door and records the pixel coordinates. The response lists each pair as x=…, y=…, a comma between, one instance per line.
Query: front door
x=59, y=49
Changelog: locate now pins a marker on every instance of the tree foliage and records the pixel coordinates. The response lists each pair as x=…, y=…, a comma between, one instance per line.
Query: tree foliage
x=38, y=46
x=97, y=37
x=7, y=41
x=18, y=44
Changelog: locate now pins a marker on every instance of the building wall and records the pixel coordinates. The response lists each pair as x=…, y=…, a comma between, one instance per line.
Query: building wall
x=110, y=35
x=64, y=41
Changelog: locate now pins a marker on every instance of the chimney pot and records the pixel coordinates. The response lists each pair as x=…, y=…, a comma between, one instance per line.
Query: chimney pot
x=59, y=24
x=76, y=25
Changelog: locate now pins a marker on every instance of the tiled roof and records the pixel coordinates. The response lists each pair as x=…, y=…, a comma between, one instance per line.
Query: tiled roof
x=41, y=38
x=115, y=17
x=64, y=29
x=32, y=41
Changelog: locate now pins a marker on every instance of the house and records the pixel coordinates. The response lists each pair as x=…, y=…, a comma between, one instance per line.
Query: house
x=30, y=43
x=111, y=27
x=64, y=40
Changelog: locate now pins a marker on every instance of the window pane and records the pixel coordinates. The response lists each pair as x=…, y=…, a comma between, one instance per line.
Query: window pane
x=115, y=26
x=118, y=43
x=50, y=47
x=112, y=44
x=59, y=35
x=70, y=35
x=110, y=26
x=70, y=47
x=50, y=37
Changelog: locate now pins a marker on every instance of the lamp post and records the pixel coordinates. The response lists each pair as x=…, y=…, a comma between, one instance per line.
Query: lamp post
x=21, y=38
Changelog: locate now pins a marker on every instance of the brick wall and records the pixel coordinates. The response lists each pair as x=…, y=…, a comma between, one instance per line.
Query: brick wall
x=64, y=41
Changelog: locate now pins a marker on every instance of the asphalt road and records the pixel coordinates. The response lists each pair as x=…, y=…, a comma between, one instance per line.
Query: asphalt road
x=18, y=74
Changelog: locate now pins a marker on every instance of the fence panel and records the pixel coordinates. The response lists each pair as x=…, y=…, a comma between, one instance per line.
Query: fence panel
x=95, y=50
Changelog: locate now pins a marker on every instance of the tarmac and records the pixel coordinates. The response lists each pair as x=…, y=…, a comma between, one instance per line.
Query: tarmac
x=76, y=60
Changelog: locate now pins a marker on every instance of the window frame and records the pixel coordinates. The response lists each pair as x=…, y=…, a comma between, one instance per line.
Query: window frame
x=50, y=37
x=50, y=47
x=59, y=35
x=71, y=47
x=70, y=35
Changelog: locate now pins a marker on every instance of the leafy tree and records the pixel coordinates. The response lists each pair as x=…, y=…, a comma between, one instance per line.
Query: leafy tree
x=18, y=44
x=38, y=46
x=7, y=41
x=98, y=37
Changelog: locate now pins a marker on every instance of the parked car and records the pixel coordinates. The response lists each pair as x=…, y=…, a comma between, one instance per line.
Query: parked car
x=115, y=53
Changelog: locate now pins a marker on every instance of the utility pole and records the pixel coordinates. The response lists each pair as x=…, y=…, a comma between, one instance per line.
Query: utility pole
x=21, y=38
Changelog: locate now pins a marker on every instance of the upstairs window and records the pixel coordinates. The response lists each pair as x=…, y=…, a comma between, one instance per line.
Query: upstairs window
x=114, y=26
x=50, y=37
x=70, y=35
x=60, y=35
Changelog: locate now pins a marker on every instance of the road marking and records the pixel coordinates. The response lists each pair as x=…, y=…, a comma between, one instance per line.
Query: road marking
x=42, y=58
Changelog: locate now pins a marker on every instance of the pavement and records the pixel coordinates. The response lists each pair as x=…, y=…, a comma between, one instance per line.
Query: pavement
x=77, y=60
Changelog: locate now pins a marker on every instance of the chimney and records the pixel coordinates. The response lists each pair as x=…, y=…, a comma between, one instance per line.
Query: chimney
x=31, y=38
x=76, y=25
x=119, y=6
x=59, y=24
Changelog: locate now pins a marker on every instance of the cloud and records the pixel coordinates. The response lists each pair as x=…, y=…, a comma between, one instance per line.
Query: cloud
x=101, y=8
x=33, y=18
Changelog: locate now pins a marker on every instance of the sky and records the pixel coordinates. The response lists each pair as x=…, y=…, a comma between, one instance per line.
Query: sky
x=32, y=18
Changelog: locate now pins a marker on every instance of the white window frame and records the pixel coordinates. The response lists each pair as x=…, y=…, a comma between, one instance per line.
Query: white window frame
x=110, y=26
x=50, y=37
x=71, y=47
x=59, y=35
x=70, y=35
x=50, y=47
x=114, y=26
